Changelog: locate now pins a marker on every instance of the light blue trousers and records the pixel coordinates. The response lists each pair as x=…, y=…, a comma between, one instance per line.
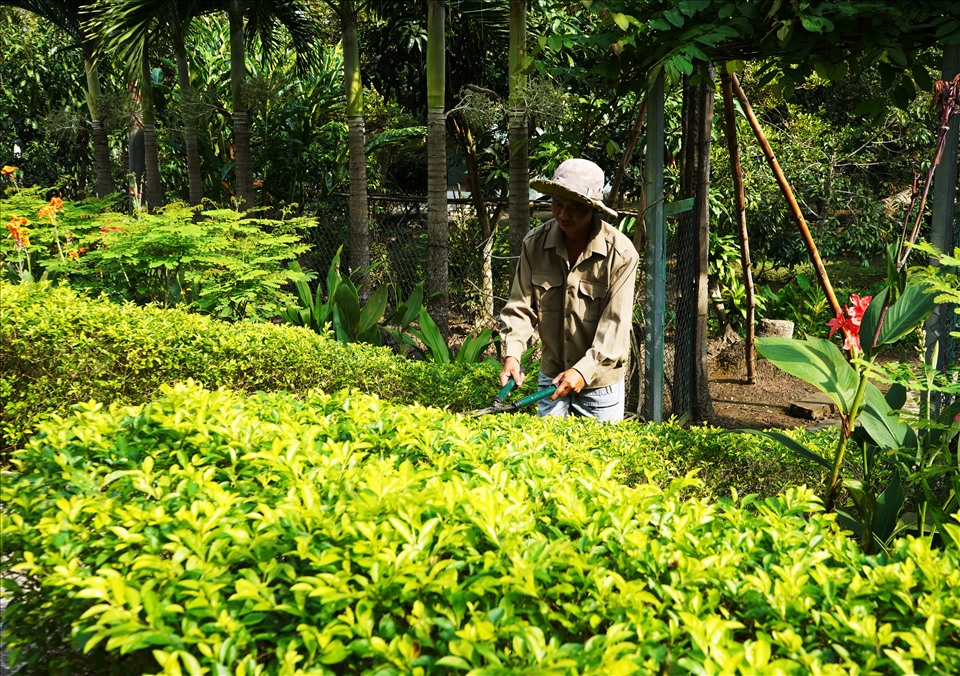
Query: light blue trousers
x=602, y=403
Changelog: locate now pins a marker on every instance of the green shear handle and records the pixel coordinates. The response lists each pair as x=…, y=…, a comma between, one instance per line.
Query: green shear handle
x=500, y=407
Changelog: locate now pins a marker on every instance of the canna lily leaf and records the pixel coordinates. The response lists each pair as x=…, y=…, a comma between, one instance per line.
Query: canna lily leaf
x=889, y=505
x=866, y=503
x=912, y=307
x=886, y=430
x=816, y=361
x=791, y=444
x=348, y=306
x=433, y=340
x=372, y=312
x=473, y=346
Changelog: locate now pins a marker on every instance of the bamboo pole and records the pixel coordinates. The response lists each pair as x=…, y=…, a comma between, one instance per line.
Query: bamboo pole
x=812, y=250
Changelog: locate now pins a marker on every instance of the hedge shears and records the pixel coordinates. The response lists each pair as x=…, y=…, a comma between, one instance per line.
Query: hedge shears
x=500, y=406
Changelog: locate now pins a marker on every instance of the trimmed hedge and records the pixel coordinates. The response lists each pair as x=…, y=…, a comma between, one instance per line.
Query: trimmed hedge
x=214, y=532
x=58, y=348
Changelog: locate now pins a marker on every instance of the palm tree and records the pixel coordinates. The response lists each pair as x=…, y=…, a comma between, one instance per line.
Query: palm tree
x=129, y=25
x=438, y=282
x=264, y=18
x=519, y=193
x=358, y=207
x=126, y=26
x=65, y=14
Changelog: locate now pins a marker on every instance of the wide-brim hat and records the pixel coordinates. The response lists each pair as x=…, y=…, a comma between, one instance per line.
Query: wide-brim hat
x=579, y=180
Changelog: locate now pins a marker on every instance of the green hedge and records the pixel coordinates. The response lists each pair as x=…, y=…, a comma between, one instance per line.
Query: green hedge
x=214, y=532
x=58, y=348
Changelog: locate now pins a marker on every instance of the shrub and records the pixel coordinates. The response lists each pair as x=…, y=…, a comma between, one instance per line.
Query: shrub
x=58, y=348
x=217, y=262
x=213, y=532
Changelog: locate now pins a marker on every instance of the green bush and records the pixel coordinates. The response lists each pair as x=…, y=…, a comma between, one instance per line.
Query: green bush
x=214, y=532
x=218, y=261
x=58, y=348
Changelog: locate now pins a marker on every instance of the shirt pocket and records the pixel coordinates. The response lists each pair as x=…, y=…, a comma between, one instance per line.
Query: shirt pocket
x=590, y=296
x=548, y=296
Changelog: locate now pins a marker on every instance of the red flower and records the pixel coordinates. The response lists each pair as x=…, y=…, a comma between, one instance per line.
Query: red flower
x=851, y=323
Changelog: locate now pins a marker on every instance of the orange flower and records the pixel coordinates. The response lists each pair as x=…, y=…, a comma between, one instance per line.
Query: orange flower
x=8, y=170
x=56, y=203
x=17, y=232
x=74, y=255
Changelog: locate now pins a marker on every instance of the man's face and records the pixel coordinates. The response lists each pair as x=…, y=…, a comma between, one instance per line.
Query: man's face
x=574, y=217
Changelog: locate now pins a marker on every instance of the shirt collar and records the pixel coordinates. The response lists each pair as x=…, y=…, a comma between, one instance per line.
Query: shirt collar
x=596, y=244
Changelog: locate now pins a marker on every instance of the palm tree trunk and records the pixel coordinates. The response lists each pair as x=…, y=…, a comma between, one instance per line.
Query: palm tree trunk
x=519, y=191
x=358, y=206
x=101, y=140
x=740, y=215
x=701, y=405
x=243, y=158
x=152, y=190
x=192, y=147
x=437, y=219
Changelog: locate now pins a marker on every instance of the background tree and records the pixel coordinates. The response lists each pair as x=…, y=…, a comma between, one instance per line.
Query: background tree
x=65, y=14
x=126, y=26
x=437, y=286
x=358, y=209
x=519, y=211
x=264, y=18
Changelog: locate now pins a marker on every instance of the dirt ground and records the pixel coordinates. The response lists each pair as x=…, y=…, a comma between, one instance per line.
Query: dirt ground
x=762, y=405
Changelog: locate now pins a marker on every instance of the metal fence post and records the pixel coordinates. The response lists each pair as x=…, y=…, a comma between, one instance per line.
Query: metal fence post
x=654, y=258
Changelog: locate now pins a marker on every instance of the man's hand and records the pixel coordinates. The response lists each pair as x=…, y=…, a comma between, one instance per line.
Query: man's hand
x=511, y=369
x=567, y=382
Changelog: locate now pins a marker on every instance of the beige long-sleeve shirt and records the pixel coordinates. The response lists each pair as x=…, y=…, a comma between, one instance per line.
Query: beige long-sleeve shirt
x=584, y=312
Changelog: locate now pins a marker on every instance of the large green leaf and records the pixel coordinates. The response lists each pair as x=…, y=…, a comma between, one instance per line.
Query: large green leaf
x=912, y=307
x=866, y=502
x=816, y=361
x=791, y=443
x=473, y=346
x=886, y=430
x=432, y=339
x=348, y=307
x=889, y=505
x=372, y=312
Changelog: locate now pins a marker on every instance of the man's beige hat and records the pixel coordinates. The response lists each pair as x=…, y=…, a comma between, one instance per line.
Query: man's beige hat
x=579, y=180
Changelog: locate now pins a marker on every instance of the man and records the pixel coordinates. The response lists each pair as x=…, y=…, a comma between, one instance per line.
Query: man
x=574, y=284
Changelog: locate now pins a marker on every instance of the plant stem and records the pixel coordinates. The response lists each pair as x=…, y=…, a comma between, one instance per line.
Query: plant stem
x=848, y=424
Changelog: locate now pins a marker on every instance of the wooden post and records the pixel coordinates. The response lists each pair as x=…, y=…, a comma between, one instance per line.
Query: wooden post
x=740, y=214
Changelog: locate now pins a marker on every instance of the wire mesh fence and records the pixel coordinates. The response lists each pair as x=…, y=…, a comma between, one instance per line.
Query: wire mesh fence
x=479, y=276
x=479, y=263
x=479, y=280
